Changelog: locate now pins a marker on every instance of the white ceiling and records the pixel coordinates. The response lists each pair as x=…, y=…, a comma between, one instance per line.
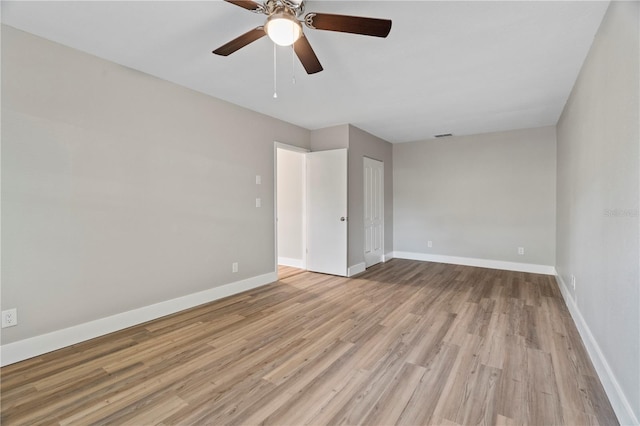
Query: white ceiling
x=446, y=67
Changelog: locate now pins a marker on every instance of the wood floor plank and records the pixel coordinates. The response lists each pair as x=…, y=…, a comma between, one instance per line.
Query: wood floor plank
x=420, y=408
x=366, y=397
x=393, y=401
x=405, y=342
x=337, y=395
x=459, y=386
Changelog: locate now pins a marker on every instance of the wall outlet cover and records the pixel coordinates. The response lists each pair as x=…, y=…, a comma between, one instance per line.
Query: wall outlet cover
x=9, y=318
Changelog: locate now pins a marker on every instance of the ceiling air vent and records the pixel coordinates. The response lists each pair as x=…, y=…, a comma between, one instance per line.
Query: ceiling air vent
x=444, y=135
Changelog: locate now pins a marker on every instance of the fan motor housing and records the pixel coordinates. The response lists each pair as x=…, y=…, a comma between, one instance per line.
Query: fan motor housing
x=273, y=6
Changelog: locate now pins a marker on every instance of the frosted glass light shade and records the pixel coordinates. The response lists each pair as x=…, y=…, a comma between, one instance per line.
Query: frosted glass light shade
x=283, y=29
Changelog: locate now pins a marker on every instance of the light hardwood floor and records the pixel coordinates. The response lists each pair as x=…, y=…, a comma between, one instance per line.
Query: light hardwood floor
x=406, y=342
x=288, y=271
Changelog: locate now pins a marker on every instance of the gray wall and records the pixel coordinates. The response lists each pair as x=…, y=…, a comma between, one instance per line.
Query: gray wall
x=598, y=195
x=479, y=196
x=291, y=175
x=120, y=190
x=363, y=144
x=335, y=137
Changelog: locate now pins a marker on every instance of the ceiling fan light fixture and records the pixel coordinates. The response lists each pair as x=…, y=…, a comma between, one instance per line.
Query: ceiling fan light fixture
x=283, y=28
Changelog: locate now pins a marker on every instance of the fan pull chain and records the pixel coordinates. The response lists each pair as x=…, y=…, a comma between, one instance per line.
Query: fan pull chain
x=275, y=68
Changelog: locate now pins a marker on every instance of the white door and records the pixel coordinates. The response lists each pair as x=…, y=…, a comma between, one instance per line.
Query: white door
x=327, y=212
x=373, y=211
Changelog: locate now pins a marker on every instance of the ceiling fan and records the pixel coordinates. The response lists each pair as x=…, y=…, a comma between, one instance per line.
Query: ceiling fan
x=284, y=28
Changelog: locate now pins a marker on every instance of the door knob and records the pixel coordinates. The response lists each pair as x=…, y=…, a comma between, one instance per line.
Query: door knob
x=342, y=219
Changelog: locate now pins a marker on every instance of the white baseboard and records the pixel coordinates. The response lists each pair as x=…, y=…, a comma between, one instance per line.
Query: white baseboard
x=28, y=348
x=481, y=263
x=387, y=257
x=289, y=261
x=356, y=269
x=617, y=398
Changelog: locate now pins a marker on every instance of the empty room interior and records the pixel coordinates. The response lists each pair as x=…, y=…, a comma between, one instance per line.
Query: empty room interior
x=317, y=212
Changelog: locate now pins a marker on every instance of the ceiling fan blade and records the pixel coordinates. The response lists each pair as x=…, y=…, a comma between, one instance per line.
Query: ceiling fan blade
x=307, y=56
x=248, y=4
x=348, y=24
x=240, y=42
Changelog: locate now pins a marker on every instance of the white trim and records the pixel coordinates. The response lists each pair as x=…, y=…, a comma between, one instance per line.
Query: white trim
x=612, y=388
x=288, y=261
x=356, y=269
x=291, y=147
x=34, y=346
x=481, y=263
x=387, y=257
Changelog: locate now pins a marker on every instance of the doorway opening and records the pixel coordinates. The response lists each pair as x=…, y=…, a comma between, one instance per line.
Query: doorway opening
x=310, y=210
x=290, y=210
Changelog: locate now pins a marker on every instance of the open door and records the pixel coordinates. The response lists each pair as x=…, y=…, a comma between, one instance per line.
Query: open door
x=327, y=212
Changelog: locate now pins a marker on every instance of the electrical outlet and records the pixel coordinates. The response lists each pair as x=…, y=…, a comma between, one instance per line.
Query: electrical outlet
x=429, y=243
x=9, y=318
x=234, y=267
x=258, y=202
x=521, y=251
x=258, y=180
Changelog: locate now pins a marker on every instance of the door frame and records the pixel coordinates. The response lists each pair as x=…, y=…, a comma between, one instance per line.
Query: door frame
x=279, y=145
